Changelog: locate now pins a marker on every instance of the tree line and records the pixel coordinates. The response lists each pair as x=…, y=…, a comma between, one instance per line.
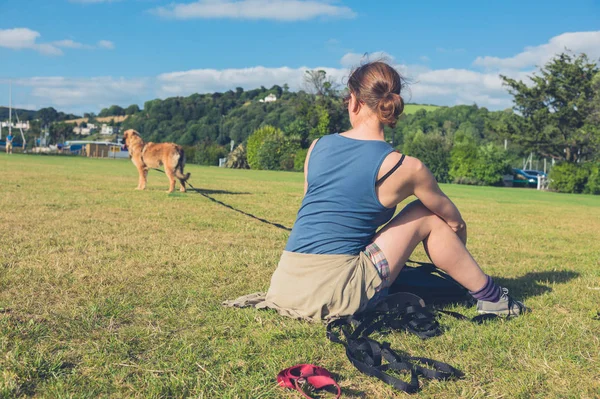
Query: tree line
x=556, y=115
x=45, y=115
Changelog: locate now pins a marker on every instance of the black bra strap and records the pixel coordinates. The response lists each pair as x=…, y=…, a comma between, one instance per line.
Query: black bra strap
x=388, y=174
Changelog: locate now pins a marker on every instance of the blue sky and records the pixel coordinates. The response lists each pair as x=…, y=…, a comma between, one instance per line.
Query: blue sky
x=82, y=55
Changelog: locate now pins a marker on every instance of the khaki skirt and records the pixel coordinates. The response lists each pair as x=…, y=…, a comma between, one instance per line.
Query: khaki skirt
x=322, y=287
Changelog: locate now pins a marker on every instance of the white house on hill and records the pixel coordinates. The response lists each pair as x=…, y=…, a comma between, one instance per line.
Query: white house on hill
x=108, y=130
x=269, y=99
x=84, y=131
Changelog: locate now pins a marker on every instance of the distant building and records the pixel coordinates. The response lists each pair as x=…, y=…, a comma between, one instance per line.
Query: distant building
x=269, y=99
x=108, y=130
x=84, y=131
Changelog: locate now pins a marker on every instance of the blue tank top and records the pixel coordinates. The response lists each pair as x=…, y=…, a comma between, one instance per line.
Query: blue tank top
x=340, y=212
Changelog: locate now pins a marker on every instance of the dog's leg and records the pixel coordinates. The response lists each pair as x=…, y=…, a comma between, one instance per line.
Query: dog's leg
x=171, y=177
x=145, y=178
x=182, y=183
x=142, y=180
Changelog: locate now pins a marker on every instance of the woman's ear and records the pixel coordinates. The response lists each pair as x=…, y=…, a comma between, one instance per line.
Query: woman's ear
x=354, y=103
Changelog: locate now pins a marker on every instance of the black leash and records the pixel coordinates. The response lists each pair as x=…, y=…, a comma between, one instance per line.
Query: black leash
x=375, y=359
x=280, y=226
x=405, y=312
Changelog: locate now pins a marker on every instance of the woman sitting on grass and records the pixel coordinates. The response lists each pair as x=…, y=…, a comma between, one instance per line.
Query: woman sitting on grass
x=335, y=262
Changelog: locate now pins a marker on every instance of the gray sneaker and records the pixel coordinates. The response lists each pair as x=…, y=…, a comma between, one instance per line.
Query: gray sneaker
x=506, y=306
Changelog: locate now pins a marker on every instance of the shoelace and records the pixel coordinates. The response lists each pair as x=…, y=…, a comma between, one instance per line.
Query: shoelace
x=512, y=303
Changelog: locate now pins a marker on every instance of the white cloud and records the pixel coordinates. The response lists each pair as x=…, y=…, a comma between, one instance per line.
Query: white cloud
x=106, y=44
x=68, y=43
x=460, y=76
x=448, y=86
x=455, y=86
x=443, y=87
x=579, y=42
x=25, y=38
x=210, y=80
x=81, y=94
x=18, y=38
x=280, y=10
x=47, y=49
x=350, y=60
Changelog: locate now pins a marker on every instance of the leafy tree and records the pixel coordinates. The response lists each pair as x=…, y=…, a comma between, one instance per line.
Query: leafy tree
x=132, y=109
x=209, y=154
x=61, y=131
x=92, y=118
x=317, y=82
x=481, y=165
x=299, y=159
x=593, y=121
x=463, y=161
x=556, y=109
x=568, y=177
x=492, y=164
x=431, y=149
x=298, y=129
x=24, y=114
x=593, y=183
x=47, y=115
x=115, y=110
x=278, y=152
x=255, y=142
x=322, y=127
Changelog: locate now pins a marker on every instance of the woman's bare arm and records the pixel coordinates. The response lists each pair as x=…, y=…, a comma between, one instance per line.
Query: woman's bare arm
x=426, y=189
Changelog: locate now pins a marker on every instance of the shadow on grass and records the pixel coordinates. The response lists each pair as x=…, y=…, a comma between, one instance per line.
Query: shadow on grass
x=346, y=392
x=205, y=194
x=535, y=283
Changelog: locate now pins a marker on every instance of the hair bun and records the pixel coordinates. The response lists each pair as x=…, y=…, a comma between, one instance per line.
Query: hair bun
x=389, y=108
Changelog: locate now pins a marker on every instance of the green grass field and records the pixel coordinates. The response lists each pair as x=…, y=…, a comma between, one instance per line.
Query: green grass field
x=110, y=292
x=412, y=108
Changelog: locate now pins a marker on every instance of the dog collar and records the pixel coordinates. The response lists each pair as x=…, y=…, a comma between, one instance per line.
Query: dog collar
x=315, y=376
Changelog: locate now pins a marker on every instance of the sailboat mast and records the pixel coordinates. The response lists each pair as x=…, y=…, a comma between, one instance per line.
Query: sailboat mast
x=9, y=107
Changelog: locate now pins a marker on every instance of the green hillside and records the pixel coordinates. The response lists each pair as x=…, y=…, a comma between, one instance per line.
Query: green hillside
x=410, y=109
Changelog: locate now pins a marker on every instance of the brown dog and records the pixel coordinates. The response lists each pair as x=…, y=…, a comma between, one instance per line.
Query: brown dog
x=152, y=155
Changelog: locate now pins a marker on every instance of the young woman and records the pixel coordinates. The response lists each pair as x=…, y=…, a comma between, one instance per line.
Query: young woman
x=335, y=262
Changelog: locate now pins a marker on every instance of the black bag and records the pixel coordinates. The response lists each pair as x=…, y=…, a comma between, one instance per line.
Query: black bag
x=431, y=284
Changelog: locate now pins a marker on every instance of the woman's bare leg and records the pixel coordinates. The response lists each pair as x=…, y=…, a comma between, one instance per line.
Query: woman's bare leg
x=416, y=224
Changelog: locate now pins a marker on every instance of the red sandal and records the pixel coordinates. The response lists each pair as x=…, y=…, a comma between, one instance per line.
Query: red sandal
x=315, y=376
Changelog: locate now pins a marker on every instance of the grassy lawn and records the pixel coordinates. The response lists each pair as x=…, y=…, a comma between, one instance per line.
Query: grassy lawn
x=110, y=292
x=412, y=108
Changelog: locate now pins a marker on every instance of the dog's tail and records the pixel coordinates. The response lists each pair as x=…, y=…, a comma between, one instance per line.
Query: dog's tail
x=180, y=165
